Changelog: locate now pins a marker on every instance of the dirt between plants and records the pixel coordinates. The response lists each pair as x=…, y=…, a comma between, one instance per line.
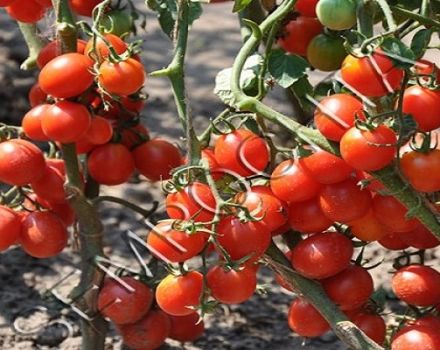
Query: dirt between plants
x=31, y=319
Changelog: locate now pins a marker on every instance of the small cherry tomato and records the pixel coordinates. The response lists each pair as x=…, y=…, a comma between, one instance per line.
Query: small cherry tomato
x=305, y=320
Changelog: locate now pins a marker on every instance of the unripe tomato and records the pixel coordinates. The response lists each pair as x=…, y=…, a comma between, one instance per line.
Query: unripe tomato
x=100, y=131
x=420, y=238
x=241, y=152
x=50, y=186
x=84, y=7
x=336, y=114
x=21, y=162
x=187, y=328
x=30, y=12
x=10, y=227
x=36, y=95
x=110, y=164
x=368, y=228
x=43, y=234
x=149, y=333
x=54, y=49
x=326, y=52
x=307, y=217
x=298, y=34
x=117, y=22
x=122, y=78
x=230, y=286
x=322, y=255
x=124, y=302
x=422, y=170
x=393, y=241
x=156, y=158
x=337, y=14
x=66, y=76
x=306, y=8
x=102, y=50
x=372, y=325
x=176, y=295
x=66, y=122
x=305, y=320
x=31, y=123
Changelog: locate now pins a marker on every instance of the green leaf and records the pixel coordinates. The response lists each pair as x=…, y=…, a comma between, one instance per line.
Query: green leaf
x=286, y=69
x=401, y=54
x=240, y=5
x=420, y=41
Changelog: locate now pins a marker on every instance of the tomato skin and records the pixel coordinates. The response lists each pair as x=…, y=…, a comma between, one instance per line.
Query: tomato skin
x=424, y=106
x=429, y=321
x=417, y=285
x=372, y=325
x=416, y=337
x=420, y=238
x=349, y=289
x=326, y=52
x=4, y=3
x=134, y=136
x=45, y=3
x=74, y=68
x=368, y=228
x=368, y=150
x=156, y=158
x=122, y=78
x=102, y=51
x=36, y=95
x=360, y=74
x=31, y=123
x=174, y=246
x=305, y=320
x=306, y=8
x=391, y=213
x=125, y=302
x=369, y=182
x=110, y=164
x=215, y=169
x=10, y=227
x=337, y=14
x=298, y=33
x=292, y=184
x=344, y=201
x=100, y=131
x=54, y=49
x=43, y=234
x=241, y=239
x=149, y=333
x=30, y=13
x=66, y=122
x=21, y=162
x=393, y=241
x=307, y=217
x=422, y=170
x=231, y=286
x=50, y=186
x=84, y=7
x=117, y=22
x=176, y=294
x=336, y=114
x=186, y=328
x=194, y=201
x=322, y=255
x=241, y=152
x=325, y=167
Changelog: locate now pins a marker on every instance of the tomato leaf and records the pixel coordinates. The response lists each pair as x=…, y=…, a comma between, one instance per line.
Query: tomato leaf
x=240, y=5
x=286, y=69
x=420, y=41
x=401, y=54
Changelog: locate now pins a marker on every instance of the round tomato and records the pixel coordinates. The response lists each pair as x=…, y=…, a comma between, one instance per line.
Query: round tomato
x=21, y=162
x=30, y=12
x=134, y=136
x=422, y=170
x=393, y=241
x=368, y=228
x=10, y=227
x=117, y=22
x=298, y=34
x=337, y=14
x=420, y=238
x=187, y=328
x=31, y=123
x=416, y=337
x=326, y=52
x=178, y=295
x=336, y=114
x=372, y=325
x=66, y=122
x=305, y=320
x=344, y=201
x=50, y=186
x=36, y=95
x=125, y=300
x=66, y=76
x=307, y=217
x=110, y=164
x=156, y=158
x=54, y=49
x=306, y=8
x=241, y=152
x=102, y=51
x=84, y=7
x=43, y=234
x=429, y=321
x=100, y=131
x=322, y=255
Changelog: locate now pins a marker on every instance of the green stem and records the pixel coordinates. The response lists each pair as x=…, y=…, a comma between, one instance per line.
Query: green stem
x=386, y=9
x=419, y=18
x=144, y=212
x=34, y=44
x=365, y=18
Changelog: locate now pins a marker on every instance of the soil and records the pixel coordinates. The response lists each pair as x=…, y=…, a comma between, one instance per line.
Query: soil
x=31, y=318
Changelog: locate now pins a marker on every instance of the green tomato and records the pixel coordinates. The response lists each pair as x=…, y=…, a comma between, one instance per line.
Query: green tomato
x=337, y=14
x=326, y=52
x=117, y=22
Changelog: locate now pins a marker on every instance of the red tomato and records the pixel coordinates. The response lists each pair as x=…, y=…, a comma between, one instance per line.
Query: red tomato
x=372, y=325
x=417, y=285
x=322, y=255
x=10, y=227
x=241, y=239
x=186, y=328
x=390, y=212
x=368, y=228
x=124, y=301
x=4, y=3
x=193, y=202
x=122, y=78
x=177, y=295
x=214, y=167
x=110, y=164
x=298, y=34
x=369, y=182
x=420, y=238
x=45, y=3
x=291, y=184
x=84, y=146
x=307, y=217
x=66, y=122
x=344, y=201
x=134, y=136
x=156, y=158
x=84, y=7
x=36, y=95
x=425, y=67
x=424, y=106
x=422, y=170
x=21, y=162
x=102, y=50
x=416, y=337
x=305, y=320
x=54, y=49
x=31, y=123
x=325, y=167
x=43, y=234
x=429, y=321
x=50, y=186
x=306, y=8
x=30, y=12
x=393, y=241
x=241, y=152
x=100, y=131
x=372, y=76
x=149, y=333
x=336, y=114
x=66, y=76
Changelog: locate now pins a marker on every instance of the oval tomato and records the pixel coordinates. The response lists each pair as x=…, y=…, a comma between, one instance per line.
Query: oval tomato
x=326, y=52
x=30, y=13
x=102, y=51
x=36, y=95
x=368, y=228
x=372, y=325
x=31, y=123
x=54, y=49
x=422, y=170
x=100, y=131
x=305, y=320
x=50, y=186
x=84, y=7
x=10, y=227
x=187, y=328
x=337, y=14
x=307, y=217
